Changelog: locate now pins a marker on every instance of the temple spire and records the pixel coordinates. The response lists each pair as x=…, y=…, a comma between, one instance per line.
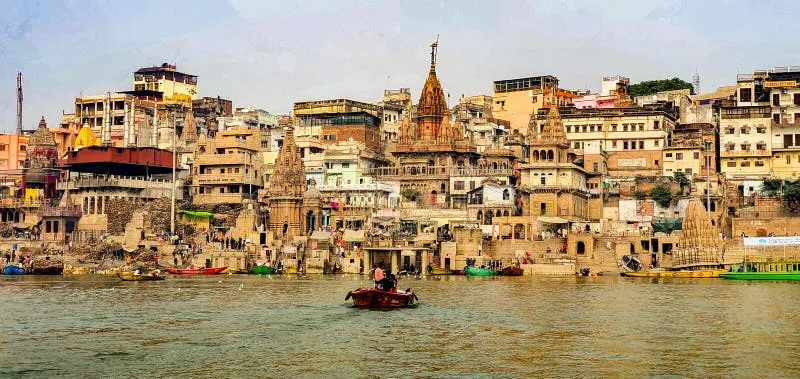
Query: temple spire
x=434, y=46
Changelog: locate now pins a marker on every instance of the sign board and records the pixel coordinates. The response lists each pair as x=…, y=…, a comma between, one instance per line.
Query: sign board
x=632, y=162
x=784, y=83
x=771, y=241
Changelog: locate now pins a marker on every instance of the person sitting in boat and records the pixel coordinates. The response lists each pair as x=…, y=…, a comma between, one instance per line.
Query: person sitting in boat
x=391, y=283
x=137, y=272
x=379, y=276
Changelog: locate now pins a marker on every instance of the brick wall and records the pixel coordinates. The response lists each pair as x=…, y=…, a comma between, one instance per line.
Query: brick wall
x=369, y=135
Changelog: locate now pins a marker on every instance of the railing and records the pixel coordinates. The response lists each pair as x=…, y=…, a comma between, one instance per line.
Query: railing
x=221, y=159
x=439, y=170
x=20, y=203
x=227, y=179
x=115, y=181
x=57, y=211
x=356, y=187
x=748, y=153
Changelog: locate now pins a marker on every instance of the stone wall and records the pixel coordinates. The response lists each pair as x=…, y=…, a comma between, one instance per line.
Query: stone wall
x=762, y=227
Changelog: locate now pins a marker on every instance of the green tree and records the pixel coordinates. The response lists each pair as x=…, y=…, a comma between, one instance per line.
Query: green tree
x=771, y=186
x=638, y=195
x=791, y=195
x=662, y=195
x=650, y=87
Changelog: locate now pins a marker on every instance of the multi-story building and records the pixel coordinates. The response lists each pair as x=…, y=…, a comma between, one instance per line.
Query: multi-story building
x=345, y=162
x=633, y=137
x=745, y=142
x=66, y=133
x=13, y=150
x=173, y=85
x=206, y=111
x=613, y=91
x=691, y=148
x=342, y=120
x=516, y=99
x=228, y=167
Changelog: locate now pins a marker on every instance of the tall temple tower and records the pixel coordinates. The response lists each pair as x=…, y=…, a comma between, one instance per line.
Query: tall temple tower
x=41, y=164
x=286, y=191
x=431, y=148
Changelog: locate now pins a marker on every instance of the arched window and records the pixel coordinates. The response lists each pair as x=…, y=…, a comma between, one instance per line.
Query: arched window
x=549, y=155
x=536, y=155
x=505, y=194
x=494, y=165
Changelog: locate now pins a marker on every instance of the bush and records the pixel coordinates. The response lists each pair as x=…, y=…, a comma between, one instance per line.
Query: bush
x=638, y=195
x=771, y=186
x=662, y=195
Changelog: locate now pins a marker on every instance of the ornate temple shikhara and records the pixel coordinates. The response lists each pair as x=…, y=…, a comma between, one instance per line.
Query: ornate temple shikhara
x=700, y=245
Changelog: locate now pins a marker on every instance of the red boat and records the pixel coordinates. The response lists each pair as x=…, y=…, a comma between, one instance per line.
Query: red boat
x=196, y=271
x=512, y=271
x=376, y=298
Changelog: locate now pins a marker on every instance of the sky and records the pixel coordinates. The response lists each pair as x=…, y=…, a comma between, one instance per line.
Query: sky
x=270, y=54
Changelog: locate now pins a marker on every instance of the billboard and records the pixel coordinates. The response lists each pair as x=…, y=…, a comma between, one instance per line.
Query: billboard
x=771, y=241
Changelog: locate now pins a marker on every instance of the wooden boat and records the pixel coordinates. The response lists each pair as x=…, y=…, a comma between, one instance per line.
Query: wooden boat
x=764, y=270
x=440, y=271
x=14, y=270
x=290, y=270
x=129, y=277
x=49, y=270
x=477, y=271
x=674, y=274
x=376, y=298
x=512, y=271
x=262, y=270
x=196, y=271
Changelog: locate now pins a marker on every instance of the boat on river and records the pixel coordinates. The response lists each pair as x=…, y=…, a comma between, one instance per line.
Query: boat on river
x=196, y=271
x=439, y=271
x=47, y=270
x=712, y=273
x=378, y=298
x=14, y=270
x=130, y=277
x=262, y=270
x=478, y=271
x=512, y=271
x=764, y=270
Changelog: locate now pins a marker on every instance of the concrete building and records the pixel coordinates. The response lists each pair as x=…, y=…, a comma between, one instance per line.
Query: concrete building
x=516, y=99
x=690, y=149
x=13, y=149
x=613, y=91
x=174, y=85
x=342, y=120
x=746, y=142
x=633, y=137
x=228, y=167
x=345, y=162
x=206, y=110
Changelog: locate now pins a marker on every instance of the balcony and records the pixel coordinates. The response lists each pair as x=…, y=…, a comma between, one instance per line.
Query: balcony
x=116, y=182
x=437, y=171
x=228, y=143
x=227, y=179
x=219, y=198
x=222, y=159
x=748, y=153
x=58, y=211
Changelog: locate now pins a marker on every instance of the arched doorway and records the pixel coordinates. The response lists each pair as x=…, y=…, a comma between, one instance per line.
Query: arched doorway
x=285, y=228
x=580, y=248
x=311, y=221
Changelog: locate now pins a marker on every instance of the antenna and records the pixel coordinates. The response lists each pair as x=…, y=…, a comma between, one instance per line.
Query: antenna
x=19, y=103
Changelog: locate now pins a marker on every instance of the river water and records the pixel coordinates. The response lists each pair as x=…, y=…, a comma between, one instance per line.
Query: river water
x=248, y=326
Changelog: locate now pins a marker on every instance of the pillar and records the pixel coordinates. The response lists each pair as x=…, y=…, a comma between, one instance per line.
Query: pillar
x=394, y=261
x=424, y=263
x=366, y=262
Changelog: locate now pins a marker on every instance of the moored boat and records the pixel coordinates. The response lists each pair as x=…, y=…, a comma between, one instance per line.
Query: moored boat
x=439, y=271
x=764, y=270
x=14, y=270
x=196, y=271
x=674, y=274
x=130, y=277
x=377, y=298
x=477, y=271
x=262, y=270
x=47, y=270
x=512, y=271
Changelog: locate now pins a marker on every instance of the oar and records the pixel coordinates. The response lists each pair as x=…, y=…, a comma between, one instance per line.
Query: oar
x=348, y=295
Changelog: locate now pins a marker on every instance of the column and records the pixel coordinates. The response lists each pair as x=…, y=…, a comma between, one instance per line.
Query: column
x=395, y=254
x=424, y=263
x=367, y=263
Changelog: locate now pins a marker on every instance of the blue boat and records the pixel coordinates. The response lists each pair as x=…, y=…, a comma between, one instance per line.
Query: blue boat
x=14, y=270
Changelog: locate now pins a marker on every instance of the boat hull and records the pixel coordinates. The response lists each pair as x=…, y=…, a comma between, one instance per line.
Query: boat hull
x=440, y=271
x=512, y=271
x=196, y=271
x=49, y=270
x=129, y=277
x=262, y=270
x=14, y=270
x=476, y=271
x=675, y=274
x=375, y=298
x=777, y=275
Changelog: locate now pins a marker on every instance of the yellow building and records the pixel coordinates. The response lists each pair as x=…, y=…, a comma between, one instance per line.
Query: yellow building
x=515, y=100
x=746, y=142
x=685, y=159
x=227, y=168
x=786, y=151
x=174, y=85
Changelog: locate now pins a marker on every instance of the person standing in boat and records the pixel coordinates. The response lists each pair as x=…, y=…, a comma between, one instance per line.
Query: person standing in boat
x=379, y=276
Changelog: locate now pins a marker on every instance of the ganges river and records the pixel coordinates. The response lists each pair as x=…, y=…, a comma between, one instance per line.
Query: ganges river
x=247, y=326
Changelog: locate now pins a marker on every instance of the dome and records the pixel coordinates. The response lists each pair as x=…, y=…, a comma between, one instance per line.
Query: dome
x=312, y=193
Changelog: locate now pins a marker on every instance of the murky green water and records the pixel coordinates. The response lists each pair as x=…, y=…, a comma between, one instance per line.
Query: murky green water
x=245, y=326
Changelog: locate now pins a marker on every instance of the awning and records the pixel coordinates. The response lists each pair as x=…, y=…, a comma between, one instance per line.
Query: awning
x=197, y=213
x=552, y=220
x=353, y=236
x=320, y=235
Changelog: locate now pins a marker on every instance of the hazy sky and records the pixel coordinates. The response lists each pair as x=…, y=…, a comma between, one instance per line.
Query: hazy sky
x=270, y=54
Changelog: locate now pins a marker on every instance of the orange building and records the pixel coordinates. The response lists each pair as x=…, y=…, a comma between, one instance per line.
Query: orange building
x=12, y=153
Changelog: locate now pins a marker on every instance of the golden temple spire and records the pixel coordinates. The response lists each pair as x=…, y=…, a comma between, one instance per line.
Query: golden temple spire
x=553, y=129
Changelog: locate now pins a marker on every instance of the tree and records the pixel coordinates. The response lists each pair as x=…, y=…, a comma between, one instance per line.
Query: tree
x=638, y=195
x=662, y=195
x=791, y=195
x=650, y=87
x=771, y=186
x=681, y=178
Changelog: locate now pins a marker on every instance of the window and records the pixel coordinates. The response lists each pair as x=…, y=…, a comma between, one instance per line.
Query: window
x=788, y=159
x=625, y=145
x=669, y=155
x=641, y=145
x=776, y=99
x=679, y=156
x=541, y=180
x=656, y=162
x=745, y=164
x=569, y=130
x=745, y=146
x=614, y=143
x=744, y=130
x=624, y=127
x=576, y=145
x=656, y=143
x=633, y=145
x=471, y=185
x=761, y=129
x=777, y=118
x=796, y=99
x=759, y=163
x=3, y=147
x=729, y=130
x=345, y=165
x=459, y=185
x=656, y=126
x=23, y=148
x=613, y=127
x=761, y=146
x=594, y=167
x=731, y=164
x=641, y=127
x=745, y=94
x=696, y=155
x=688, y=171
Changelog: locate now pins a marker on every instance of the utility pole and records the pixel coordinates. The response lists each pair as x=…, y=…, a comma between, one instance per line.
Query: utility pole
x=708, y=178
x=19, y=103
x=174, y=163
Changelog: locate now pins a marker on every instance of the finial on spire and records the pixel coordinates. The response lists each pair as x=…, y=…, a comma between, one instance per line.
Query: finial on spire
x=434, y=46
